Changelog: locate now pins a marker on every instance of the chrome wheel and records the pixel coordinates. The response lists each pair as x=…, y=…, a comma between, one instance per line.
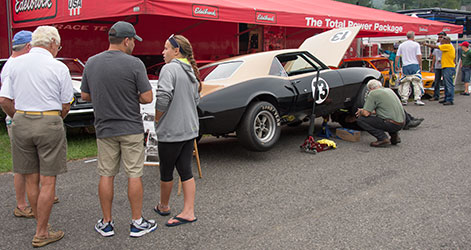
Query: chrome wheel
x=264, y=126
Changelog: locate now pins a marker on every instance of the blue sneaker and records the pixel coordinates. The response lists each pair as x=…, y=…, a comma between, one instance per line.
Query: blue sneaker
x=105, y=229
x=146, y=226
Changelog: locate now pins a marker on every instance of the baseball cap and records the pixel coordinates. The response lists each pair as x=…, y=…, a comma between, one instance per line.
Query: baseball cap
x=465, y=43
x=123, y=29
x=442, y=33
x=22, y=37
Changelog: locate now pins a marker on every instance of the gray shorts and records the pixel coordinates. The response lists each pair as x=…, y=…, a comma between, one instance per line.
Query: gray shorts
x=38, y=144
x=466, y=71
x=127, y=150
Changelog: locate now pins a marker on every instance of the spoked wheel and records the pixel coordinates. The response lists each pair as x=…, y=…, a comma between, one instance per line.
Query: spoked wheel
x=259, y=129
x=264, y=126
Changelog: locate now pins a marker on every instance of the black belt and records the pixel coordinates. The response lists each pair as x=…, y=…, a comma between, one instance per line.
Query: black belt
x=394, y=122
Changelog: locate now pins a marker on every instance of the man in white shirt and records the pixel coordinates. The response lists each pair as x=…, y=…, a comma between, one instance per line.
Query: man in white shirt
x=20, y=46
x=411, y=56
x=41, y=88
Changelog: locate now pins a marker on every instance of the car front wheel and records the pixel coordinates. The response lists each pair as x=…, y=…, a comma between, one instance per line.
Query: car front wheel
x=259, y=129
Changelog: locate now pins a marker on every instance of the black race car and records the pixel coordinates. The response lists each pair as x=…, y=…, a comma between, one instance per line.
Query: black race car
x=253, y=95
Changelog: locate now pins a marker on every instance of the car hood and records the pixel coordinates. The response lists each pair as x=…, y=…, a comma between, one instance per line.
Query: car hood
x=76, y=84
x=330, y=46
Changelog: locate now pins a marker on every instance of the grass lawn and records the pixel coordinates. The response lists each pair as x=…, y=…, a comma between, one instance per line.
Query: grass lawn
x=80, y=145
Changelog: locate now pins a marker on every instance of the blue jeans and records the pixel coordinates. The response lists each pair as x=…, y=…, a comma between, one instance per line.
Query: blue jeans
x=411, y=69
x=437, y=83
x=448, y=75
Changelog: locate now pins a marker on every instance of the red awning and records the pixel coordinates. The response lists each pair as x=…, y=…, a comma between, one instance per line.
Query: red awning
x=316, y=14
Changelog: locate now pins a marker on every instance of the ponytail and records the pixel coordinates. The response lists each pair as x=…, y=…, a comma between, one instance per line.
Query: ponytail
x=187, y=51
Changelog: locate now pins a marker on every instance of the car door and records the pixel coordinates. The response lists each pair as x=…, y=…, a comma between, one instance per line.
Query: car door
x=302, y=71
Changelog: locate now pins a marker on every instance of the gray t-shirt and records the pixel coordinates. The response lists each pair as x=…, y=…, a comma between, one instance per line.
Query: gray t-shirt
x=114, y=81
x=438, y=58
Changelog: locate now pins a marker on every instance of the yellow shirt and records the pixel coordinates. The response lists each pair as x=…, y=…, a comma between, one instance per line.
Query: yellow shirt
x=448, y=55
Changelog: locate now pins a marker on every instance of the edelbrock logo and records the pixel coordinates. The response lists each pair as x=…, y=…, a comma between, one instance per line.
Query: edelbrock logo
x=423, y=29
x=30, y=5
x=205, y=11
x=74, y=7
x=265, y=17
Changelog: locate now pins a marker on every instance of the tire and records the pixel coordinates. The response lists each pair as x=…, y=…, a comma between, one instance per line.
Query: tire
x=349, y=125
x=259, y=128
x=360, y=98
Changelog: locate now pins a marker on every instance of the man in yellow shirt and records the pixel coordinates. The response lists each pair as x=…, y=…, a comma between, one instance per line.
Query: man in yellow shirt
x=448, y=68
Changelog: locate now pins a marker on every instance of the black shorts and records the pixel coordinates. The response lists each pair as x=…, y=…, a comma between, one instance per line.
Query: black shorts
x=175, y=154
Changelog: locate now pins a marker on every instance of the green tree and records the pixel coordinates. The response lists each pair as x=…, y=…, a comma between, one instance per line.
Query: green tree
x=417, y=4
x=366, y=3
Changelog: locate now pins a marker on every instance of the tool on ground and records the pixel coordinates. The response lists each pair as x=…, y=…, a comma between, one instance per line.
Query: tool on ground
x=310, y=144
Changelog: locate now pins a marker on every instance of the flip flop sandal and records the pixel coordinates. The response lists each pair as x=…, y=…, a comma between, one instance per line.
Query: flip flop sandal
x=162, y=213
x=180, y=221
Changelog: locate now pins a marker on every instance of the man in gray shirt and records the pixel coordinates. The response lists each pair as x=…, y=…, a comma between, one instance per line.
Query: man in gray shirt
x=116, y=83
x=437, y=68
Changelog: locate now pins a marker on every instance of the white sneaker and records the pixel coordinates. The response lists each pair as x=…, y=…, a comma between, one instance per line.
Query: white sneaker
x=146, y=226
x=105, y=229
x=404, y=103
x=419, y=102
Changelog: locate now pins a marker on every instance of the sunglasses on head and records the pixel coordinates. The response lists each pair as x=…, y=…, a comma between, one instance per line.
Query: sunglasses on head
x=174, y=42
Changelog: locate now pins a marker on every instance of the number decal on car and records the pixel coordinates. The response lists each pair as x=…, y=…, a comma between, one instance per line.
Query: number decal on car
x=322, y=91
x=340, y=36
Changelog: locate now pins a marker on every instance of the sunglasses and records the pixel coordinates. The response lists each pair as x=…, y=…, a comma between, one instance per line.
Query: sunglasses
x=174, y=42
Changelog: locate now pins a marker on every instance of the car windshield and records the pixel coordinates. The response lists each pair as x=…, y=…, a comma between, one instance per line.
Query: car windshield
x=381, y=65
x=74, y=65
x=219, y=71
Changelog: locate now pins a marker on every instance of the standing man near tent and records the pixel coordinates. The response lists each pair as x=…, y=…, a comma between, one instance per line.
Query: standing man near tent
x=411, y=56
x=448, y=68
x=466, y=66
x=116, y=82
x=21, y=45
x=436, y=67
x=41, y=89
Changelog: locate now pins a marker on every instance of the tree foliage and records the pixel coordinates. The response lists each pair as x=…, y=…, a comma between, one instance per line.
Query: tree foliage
x=417, y=4
x=394, y=5
x=366, y=3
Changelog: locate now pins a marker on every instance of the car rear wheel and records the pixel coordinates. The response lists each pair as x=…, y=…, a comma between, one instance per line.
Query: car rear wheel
x=360, y=98
x=259, y=129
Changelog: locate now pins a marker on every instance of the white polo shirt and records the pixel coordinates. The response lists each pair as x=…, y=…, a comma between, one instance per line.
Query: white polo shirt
x=409, y=50
x=38, y=82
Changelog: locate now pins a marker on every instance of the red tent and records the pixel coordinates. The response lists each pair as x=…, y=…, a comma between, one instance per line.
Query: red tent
x=314, y=14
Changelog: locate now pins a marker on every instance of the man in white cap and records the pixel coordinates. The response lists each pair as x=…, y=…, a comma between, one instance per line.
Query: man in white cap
x=41, y=88
x=116, y=83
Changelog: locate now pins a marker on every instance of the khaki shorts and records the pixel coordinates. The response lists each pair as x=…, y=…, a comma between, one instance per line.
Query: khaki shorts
x=127, y=150
x=38, y=144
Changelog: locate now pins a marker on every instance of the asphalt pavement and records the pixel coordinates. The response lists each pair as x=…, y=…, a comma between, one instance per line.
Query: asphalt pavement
x=416, y=195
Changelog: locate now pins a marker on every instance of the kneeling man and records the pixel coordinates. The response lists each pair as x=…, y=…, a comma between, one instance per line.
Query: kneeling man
x=383, y=112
